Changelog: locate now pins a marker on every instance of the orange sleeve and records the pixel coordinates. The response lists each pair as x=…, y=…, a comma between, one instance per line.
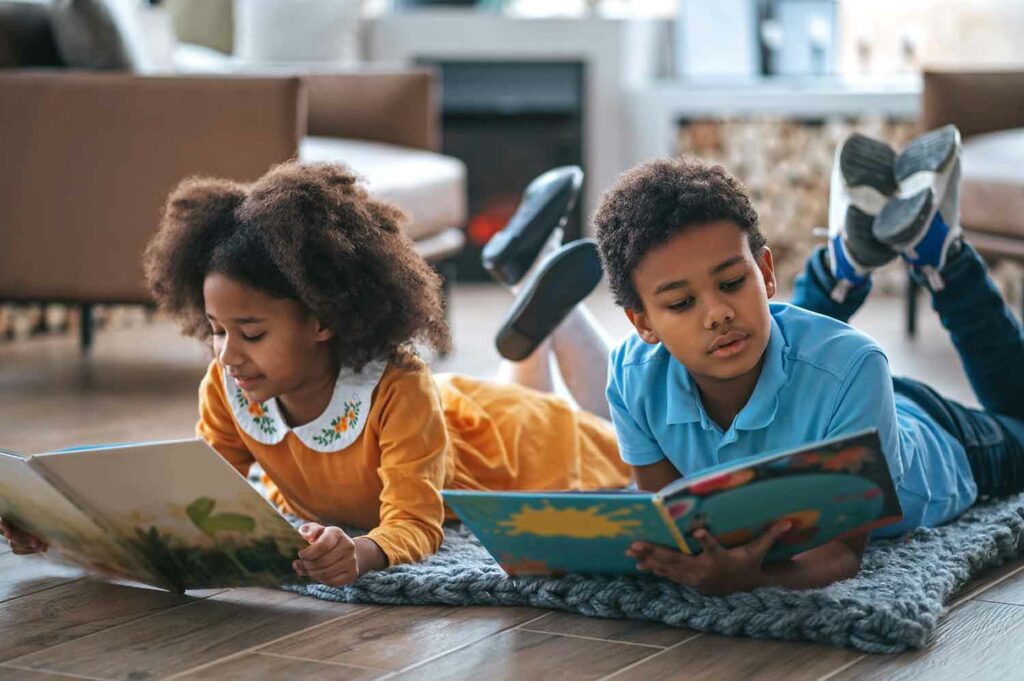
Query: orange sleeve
x=413, y=459
x=217, y=424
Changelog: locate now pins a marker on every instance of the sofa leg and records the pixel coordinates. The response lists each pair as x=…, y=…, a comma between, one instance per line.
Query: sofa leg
x=86, y=328
x=911, y=306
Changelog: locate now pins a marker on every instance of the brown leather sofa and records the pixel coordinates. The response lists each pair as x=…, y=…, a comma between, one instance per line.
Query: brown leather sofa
x=988, y=108
x=88, y=160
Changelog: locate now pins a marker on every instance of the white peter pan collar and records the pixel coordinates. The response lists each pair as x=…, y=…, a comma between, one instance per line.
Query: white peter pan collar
x=336, y=428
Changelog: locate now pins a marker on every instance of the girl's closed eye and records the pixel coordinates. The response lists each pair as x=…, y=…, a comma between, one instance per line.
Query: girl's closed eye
x=252, y=338
x=680, y=305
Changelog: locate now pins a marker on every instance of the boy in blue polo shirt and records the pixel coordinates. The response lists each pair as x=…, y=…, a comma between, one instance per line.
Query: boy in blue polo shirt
x=716, y=373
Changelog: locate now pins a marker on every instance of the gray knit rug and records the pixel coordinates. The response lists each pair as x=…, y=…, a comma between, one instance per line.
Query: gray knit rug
x=893, y=604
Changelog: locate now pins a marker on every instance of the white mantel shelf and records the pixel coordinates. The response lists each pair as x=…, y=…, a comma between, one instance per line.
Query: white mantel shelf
x=657, y=107
x=629, y=115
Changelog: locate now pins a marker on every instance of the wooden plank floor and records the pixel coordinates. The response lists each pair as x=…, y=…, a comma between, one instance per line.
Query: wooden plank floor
x=57, y=624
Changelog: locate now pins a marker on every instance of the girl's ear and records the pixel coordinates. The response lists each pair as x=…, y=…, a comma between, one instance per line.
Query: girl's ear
x=767, y=268
x=323, y=332
x=638, y=318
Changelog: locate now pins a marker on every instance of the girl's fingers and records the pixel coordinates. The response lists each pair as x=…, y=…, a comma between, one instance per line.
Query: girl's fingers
x=325, y=543
x=333, y=576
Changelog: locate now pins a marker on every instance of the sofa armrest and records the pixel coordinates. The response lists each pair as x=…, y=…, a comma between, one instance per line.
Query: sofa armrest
x=976, y=101
x=395, y=107
x=89, y=159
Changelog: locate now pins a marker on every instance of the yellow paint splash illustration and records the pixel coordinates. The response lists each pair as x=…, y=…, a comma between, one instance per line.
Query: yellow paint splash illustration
x=579, y=523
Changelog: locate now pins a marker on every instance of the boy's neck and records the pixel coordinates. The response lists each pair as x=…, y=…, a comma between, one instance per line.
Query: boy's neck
x=723, y=399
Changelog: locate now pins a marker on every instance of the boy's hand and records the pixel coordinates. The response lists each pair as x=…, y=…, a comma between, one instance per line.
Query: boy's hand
x=22, y=543
x=717, y=570
x=330, y=557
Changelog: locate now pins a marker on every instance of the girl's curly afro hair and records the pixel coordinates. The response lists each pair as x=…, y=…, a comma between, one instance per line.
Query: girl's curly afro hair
x=310, y=233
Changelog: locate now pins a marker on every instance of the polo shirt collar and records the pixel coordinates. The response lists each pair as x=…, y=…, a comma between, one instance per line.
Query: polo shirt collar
x=683, y=399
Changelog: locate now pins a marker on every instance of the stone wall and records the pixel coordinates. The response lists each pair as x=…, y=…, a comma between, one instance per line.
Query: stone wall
x=786, y=166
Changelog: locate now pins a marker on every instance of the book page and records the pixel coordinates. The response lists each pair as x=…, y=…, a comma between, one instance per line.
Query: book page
x=184, y=508
x=28, y=501
x=826, y=491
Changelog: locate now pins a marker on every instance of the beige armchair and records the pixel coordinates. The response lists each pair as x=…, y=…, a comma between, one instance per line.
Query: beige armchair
x=88, y=160
x=988, y=108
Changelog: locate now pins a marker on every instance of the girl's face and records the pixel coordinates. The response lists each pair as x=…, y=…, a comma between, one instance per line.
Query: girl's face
x=271, y=346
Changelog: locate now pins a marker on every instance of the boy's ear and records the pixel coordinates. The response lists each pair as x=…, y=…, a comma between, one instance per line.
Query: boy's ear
x=638, y=318
x=767, y=268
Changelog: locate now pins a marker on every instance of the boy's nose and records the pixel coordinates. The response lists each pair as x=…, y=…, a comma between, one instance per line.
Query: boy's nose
x=717, y=314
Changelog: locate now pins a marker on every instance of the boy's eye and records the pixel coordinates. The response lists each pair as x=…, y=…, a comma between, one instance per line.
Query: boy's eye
x=254, y=337
x=733, y=284
x=683, y=304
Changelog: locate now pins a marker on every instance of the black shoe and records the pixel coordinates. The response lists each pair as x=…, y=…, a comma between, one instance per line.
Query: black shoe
x=563, y=280
x=545, y=205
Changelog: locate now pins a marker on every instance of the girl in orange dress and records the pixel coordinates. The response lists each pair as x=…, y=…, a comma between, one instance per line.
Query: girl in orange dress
x=317, y=307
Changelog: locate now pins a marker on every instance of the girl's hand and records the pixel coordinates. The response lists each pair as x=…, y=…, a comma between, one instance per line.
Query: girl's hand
x=22, y=543
x=330, y=557
x=717, y=570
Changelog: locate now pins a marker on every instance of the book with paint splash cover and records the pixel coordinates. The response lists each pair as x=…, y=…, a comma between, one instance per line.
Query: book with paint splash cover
x=171, y=514
x=828, y=491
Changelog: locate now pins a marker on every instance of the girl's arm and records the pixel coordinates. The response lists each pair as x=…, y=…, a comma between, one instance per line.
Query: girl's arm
x=413, y=441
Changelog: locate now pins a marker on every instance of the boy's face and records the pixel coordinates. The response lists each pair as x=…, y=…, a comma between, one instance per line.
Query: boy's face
x=705, y=297
x=271, y=346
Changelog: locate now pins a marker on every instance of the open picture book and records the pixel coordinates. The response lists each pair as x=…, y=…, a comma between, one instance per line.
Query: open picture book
x=827, y=490
x=170, y=514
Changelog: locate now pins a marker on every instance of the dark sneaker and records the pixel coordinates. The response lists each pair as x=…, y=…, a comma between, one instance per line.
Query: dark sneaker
x=561, y=282
x=862, y=182
x=545, y=206
x=925, y=222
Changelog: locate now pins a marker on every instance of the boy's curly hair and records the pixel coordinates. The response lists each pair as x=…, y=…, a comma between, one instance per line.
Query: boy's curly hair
x=652, y=202
x=310, y=233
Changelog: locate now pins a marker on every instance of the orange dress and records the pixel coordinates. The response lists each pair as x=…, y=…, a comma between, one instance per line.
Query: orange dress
x=392, y=438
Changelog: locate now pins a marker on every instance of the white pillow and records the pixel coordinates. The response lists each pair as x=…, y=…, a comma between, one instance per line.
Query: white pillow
x=147, y=34
x=268, y=31
x=189, y=58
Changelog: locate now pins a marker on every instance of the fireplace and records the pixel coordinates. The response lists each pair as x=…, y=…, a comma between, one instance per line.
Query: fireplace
x=508, y=122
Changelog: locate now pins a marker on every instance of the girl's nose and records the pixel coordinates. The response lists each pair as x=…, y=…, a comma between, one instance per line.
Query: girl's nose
x=229, y=355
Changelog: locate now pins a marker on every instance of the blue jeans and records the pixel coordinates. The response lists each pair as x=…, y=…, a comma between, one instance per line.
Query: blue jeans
x=990, y=342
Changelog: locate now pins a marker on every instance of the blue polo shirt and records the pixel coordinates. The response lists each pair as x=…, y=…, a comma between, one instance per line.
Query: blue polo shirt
x=821, y=378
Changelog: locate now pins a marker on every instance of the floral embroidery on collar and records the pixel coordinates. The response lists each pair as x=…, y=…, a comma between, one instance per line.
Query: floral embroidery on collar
x=336, y=428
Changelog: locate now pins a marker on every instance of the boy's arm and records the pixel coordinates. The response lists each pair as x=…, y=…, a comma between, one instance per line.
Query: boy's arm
x=718, y=570
x=652, y=477
x=820, y=566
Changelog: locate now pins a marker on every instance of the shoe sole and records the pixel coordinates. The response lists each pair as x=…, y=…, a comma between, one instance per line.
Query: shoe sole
x=925, y=157
x=903, y=219
x=526, y=240
x=860, y=241
x=562, y=283
x=866, y=162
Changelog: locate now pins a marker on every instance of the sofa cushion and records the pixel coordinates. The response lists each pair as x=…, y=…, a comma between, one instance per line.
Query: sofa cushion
x=25, y=36
x=87, y=36
x=992, y=193
x=429, y=187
